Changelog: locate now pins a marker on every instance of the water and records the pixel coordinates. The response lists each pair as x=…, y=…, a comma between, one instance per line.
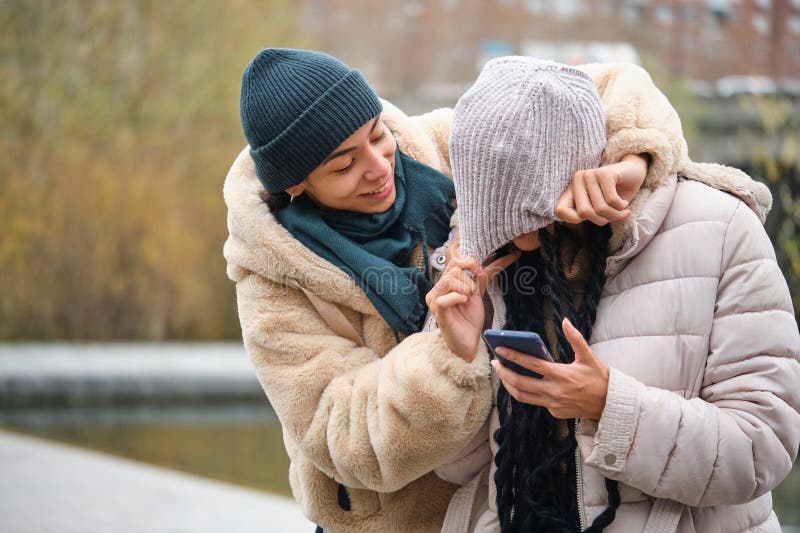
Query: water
x=195, y=407
x=236, y=441
x=239, y=444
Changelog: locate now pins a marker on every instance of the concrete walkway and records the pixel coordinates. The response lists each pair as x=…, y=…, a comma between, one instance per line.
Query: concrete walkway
x=49, y=487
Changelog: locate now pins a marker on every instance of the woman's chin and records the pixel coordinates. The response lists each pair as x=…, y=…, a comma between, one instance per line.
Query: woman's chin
x=384, y=205
x=528, y=242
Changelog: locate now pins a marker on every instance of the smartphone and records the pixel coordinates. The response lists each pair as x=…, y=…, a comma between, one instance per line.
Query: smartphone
x=522, y=341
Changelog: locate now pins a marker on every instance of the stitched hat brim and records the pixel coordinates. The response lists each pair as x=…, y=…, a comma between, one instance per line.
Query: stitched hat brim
x=341, y=110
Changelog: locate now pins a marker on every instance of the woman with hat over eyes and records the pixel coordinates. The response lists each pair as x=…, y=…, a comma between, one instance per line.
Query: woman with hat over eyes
x=338, y=211
x=672, y=403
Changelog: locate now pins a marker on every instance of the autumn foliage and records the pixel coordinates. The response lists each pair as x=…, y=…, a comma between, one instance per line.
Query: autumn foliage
x=119, y=122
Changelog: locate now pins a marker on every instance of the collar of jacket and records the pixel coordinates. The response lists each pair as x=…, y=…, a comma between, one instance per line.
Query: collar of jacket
x=651, y=204
x=257, y=243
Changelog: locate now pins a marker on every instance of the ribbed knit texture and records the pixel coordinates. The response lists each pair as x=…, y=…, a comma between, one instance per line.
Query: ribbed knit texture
x=519, y=134
x=296, y=107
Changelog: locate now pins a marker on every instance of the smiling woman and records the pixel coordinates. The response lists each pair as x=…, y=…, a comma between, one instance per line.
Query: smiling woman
x=358, y=176
x=331, y=227
x=335, y=210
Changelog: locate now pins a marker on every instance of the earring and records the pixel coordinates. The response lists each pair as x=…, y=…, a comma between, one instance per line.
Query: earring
x=291, y=198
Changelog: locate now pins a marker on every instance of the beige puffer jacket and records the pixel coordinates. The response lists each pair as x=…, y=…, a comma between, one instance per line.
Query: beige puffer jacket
x=697, y=326
x=379, y=418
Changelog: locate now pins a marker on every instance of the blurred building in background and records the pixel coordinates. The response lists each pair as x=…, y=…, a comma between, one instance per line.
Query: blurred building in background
x=439, y=45
x=121, y=121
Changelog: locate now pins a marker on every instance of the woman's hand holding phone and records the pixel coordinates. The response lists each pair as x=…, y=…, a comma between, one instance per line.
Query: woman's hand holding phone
x=456, y=301
x=575, y=390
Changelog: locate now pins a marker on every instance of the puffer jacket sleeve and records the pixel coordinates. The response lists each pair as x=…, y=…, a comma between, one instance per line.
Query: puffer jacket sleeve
x=739, y=439
x=367, y=422
x=639, y=119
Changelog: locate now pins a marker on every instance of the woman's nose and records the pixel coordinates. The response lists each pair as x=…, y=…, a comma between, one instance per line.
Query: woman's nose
x=379, y=166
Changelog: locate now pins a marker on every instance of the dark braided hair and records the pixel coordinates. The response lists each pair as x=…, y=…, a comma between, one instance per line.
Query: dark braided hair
x=536, y=471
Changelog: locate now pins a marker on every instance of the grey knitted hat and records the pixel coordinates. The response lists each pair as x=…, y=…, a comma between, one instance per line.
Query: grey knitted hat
x=518, y=136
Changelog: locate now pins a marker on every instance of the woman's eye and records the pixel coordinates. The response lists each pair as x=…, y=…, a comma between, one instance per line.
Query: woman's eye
x=379, y=138
x=345, y=169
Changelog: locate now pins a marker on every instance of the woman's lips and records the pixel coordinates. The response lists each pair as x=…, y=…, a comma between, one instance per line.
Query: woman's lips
x=382, y=192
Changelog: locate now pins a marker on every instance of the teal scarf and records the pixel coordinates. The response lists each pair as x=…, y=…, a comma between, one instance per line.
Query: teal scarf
x=375, y=249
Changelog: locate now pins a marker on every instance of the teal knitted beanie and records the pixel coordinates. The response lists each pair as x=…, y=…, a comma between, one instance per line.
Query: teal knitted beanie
x=296, y=107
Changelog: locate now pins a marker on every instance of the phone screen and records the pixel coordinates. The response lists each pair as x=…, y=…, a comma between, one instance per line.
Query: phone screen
x=521, y=341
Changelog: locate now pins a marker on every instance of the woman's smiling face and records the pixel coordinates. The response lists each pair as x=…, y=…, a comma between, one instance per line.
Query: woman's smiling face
x=358, y=176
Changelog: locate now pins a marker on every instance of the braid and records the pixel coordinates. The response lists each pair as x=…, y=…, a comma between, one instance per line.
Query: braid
x=528, y=458
x=597, y=241
x=557, y=285
x=560, y=279
x=605, y=518
x=535, y=476
x=503, y=460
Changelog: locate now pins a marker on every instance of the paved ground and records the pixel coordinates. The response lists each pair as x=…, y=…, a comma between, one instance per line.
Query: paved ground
x=49, y=487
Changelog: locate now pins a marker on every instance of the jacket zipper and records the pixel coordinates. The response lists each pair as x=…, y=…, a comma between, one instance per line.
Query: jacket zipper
x=579, y=483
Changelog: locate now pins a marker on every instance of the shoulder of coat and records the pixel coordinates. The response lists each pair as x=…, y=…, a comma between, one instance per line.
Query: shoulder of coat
x=695, y=202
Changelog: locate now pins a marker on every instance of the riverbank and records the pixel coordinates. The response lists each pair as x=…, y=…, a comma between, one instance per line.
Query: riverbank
x=87, y=374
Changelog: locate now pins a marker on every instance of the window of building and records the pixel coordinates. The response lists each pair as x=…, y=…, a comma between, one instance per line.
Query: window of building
x=764, y=4
x=536, y=6
x=569, y=8
x=689, y=13
x=719, y=10
x=664, y=15
x=794, y=24
x=761, y=52
x=630, y=15
x=761, y=24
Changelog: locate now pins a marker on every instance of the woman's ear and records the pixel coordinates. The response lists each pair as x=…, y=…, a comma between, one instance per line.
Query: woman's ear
x=296, y=190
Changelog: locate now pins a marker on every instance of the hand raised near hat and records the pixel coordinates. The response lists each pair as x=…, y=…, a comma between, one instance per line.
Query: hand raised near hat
x=601, y=195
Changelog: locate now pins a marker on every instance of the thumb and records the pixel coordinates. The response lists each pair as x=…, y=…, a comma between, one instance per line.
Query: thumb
x=565, y=208
x=578, y=343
